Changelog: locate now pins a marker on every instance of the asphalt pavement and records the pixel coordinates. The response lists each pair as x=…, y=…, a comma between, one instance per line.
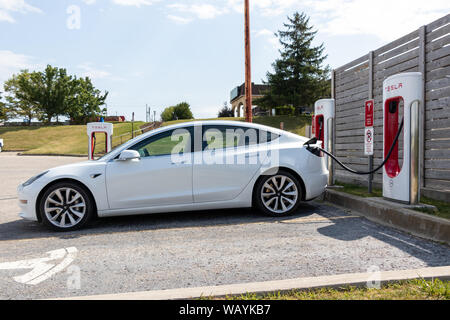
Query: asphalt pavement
x=189, y=249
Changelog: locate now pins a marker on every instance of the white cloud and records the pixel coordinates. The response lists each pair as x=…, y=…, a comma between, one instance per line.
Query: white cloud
x=89, y=2
x=264, y=7
x=385, y=19
x=270, y=36
x=95, y=73
x=179, y=20
x=135, y=3
x=201, y=11
x=11, y=63
x=7, y=7
x=264, y=33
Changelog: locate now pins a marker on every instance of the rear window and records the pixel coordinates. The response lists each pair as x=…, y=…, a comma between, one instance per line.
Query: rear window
x=221, y=136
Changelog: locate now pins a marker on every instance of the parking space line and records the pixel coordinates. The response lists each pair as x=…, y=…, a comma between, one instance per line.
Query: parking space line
x=9, y=198
x=301, y=220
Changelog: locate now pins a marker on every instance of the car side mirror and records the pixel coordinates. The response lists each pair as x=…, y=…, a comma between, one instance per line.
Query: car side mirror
x=129, y=155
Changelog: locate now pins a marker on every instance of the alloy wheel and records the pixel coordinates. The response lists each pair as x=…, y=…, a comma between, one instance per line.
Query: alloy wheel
x=279, y=194
x=65, y=207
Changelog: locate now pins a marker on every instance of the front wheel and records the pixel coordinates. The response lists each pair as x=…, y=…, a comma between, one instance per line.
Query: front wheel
x=278, y=195
x=66, y=206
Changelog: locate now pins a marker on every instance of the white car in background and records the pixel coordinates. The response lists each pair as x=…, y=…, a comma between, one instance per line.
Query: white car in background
x=197, y=165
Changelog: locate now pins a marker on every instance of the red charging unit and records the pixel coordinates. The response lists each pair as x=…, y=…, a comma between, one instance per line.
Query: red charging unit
x=391, y=116
x=319, y=128
x=402, y=99
x=94, y=128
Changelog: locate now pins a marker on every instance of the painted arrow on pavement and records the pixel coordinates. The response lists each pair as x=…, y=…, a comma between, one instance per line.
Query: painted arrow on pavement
x=41, y=268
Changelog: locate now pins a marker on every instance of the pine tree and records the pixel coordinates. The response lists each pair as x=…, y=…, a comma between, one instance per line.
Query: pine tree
x=225, y=112
x=299, y=77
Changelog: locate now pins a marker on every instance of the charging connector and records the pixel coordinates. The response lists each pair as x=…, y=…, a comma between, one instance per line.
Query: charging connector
x=313, y=148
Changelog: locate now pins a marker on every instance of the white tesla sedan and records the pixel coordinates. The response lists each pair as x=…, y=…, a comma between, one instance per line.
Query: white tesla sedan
x=190, y=166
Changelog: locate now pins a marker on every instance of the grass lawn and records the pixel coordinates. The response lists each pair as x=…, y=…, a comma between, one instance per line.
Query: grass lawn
x=72, y=140
x=442, y=207
x=69, y=140
x=295, y=124
x=417, y=289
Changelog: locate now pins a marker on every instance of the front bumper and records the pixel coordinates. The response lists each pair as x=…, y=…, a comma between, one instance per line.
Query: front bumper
x=27, y=202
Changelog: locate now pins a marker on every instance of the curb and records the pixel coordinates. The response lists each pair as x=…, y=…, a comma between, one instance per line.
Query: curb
x=52, y=155
x=392, y=215
x=353, y=279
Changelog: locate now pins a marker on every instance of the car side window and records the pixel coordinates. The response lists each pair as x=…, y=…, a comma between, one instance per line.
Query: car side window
x=165, y=143
x=221, y=137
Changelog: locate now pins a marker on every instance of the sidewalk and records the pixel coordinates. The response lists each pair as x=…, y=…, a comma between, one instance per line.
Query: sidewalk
x=393, y=215
x=353, y=279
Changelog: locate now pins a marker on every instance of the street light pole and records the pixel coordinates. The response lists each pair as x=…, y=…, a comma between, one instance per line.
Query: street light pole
x=248, y=75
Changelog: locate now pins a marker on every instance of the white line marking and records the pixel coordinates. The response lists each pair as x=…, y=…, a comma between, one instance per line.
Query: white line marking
x=41, y=269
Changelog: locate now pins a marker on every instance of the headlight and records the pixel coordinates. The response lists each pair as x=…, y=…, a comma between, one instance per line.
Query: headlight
x=33, y=179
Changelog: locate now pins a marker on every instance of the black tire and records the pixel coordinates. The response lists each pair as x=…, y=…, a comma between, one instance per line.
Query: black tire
x=89, y=208
x=258, y=197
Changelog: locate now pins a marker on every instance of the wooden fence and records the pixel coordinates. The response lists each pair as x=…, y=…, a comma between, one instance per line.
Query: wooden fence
x=426, y=50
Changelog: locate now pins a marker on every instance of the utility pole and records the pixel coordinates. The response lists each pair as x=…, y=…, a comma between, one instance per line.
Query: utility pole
x=132, y=125
x=154, y=115
x=148, y=114
x=248, y=74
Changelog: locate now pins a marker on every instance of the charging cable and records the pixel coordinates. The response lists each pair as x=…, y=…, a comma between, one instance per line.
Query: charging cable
x=315, y=148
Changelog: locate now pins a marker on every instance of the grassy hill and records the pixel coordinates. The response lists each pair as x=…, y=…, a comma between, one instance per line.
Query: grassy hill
x=295, y=124
x=69, y=140
x=72, y=140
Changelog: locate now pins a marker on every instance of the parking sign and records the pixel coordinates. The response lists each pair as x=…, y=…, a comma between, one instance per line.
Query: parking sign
x=369, y=106
x=368, y=132
x=368, y=141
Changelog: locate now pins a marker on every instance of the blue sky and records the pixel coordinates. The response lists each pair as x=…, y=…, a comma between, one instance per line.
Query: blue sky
x=161, y=52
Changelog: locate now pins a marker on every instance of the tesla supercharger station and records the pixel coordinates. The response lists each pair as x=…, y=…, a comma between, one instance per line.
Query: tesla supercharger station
x=94, y=128
x=402, y=98
x=322, y=128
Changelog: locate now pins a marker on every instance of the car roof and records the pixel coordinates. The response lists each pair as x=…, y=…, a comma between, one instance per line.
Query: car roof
x=204, y=123
x=223, y=122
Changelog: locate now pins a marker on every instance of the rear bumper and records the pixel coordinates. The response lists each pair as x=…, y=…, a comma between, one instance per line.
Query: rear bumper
x=315, y=184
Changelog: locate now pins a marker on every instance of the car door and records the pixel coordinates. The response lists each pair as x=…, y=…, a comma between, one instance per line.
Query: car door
x=227, y=161
x=162, y=176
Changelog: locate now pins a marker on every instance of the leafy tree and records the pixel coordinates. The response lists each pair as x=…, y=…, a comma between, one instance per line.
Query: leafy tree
x=52, y=87
x=299, y=77
x=4, y=112
x=53, y=93
x=225, y=112
x=167, y=114
x=20, y=100
x=183, y=111
x=285, y=111
x=178, y=112
x=84, y=101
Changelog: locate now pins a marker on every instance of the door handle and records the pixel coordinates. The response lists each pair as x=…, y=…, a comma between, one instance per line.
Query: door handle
x=181, y=162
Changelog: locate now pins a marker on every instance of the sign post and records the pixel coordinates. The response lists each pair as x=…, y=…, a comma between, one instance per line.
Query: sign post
x=369, y=136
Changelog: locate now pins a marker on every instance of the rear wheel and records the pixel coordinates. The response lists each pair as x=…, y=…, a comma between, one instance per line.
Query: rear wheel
x=278, y=195
x=66, y=206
